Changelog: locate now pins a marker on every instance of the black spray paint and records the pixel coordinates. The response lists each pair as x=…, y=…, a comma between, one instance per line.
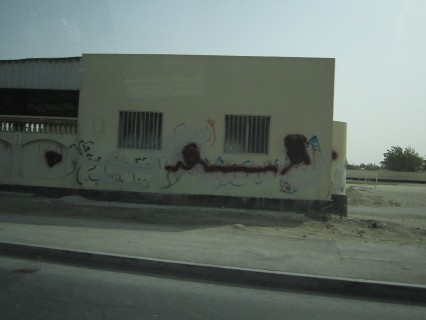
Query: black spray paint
x=52, y=158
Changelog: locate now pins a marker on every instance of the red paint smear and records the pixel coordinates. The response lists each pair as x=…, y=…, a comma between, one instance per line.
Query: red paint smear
x=212, y=124
x=179, y=125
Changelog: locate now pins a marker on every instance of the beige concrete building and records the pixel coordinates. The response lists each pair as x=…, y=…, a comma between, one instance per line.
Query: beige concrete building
x=231, y=131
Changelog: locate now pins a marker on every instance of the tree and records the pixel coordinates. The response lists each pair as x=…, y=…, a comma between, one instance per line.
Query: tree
x=398, y=159
x=372, y=167
x=362, y=166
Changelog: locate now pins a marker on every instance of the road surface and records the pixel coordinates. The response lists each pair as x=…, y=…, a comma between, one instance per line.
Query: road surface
x=37, y=290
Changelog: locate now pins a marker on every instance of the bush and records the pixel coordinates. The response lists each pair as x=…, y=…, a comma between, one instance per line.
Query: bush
x=398, y=159
x=363, y=166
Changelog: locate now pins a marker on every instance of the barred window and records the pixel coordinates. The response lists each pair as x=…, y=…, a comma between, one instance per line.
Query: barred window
x=140, y=130
x=246, y=134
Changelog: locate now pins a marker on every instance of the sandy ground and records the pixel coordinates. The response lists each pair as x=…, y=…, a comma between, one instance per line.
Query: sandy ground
x=382, y=213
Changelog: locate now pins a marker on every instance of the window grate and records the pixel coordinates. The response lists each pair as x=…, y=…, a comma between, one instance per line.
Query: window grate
x=246, y=134
x=140, y=130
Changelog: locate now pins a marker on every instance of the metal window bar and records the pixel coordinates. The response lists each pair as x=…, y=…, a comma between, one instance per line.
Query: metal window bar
x=120, y=130
x=246, y=134
x=133, y=132
x=243, y=134
x=149, y=130
x=130, y=129
x=145, y=127
x=158, y=130
x=140, y=130
x=267, y=134
x=226, y=134
x=252, y=129
x=140, y=136
x=261, y=143
x=130, y=135
x=126, y=128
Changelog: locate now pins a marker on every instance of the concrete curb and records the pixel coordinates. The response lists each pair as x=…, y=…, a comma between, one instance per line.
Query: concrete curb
x=281, y=280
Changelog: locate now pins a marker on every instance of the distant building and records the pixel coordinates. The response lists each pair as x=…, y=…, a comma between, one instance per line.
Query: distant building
x=226, y=131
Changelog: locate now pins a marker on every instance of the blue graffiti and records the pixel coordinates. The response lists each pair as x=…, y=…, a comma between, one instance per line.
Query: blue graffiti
x=315, y=144
x=286, y=187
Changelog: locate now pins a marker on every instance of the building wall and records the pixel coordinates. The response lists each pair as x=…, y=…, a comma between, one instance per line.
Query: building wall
x=195, y=93
x=41, y=159
x=338, y=168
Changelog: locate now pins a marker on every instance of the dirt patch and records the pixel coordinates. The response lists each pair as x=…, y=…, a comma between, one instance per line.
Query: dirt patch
x=362, y=196
x=376, y=214
x=387, y=195
x=364, y=230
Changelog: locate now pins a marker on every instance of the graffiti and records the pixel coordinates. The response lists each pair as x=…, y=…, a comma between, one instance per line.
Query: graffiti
x=296, y=146
x=52, y=158
x=191, y=157
x=182, y=133
x=219, y=161
x=286, y=187
x=237, y=184
x=172, y=180
x=230, y=183
x=179, y=125
x=296, y=150
x=147, y=162
x=188, y=143
x=314, y=143
x=142, y=160
x=136, y=172
x=212, y=124
x=83, y=149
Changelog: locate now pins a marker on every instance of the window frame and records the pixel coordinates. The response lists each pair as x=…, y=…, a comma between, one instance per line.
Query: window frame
x=136, y=121
x=252, y=144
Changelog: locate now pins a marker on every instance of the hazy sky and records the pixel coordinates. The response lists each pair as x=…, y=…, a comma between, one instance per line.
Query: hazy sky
x=379, y=46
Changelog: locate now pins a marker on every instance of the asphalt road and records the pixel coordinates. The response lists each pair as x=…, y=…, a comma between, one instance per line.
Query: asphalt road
x=37, y=290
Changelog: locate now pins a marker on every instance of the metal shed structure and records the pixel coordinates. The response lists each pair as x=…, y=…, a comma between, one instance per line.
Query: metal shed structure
x=40, y=87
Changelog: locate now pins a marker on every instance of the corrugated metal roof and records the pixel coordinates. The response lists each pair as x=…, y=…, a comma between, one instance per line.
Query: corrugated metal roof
x=49, y=73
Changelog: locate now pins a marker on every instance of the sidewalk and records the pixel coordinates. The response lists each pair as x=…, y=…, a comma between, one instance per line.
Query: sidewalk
x=233, y=245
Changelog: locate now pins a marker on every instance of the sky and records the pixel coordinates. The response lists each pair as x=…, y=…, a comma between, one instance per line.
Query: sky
x=379, y=47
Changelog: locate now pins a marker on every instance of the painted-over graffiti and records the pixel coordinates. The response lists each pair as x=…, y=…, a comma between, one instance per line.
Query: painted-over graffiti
x=52, y=158
x=191, y=157
x=297, y=153
x=296, y=150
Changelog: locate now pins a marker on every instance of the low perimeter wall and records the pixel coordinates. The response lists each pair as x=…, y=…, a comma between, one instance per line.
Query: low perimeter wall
x=314, y=209
x=385, y=175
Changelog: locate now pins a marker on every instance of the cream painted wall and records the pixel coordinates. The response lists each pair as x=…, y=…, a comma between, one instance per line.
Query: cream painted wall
x=23, y=159
x=195, y=93
x=338, y=168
